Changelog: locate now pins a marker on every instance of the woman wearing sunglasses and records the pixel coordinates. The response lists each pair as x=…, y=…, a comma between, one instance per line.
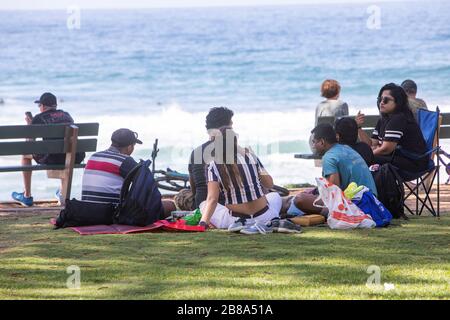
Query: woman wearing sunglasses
x=396, y=130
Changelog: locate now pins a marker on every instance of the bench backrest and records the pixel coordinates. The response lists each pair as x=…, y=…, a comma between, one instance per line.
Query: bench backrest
x=58, y=133
x=370, y=122
x=444, y=131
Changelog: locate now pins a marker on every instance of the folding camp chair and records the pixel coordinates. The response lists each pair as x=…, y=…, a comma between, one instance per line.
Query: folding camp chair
x=429, y=125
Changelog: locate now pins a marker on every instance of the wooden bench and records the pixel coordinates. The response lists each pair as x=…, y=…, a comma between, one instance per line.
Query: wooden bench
x=369, y=126
x=61, y=138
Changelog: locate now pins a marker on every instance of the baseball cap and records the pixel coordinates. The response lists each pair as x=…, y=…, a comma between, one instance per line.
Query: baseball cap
x=47, y=99
x=124, y=137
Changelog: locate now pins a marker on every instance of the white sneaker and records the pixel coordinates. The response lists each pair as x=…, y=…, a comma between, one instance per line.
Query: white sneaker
x=237, y=225
x=257, y=228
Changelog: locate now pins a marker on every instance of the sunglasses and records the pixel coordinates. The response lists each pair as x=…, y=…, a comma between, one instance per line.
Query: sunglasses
x=384, y=100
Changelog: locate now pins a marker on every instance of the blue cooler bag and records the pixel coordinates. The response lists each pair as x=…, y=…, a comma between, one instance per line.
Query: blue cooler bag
x=370, y=205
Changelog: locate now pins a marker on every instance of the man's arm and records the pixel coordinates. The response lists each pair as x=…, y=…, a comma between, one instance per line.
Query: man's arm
x=334, y=179
x=191, y=172
x=127, y=166
x=29, y=121
x=331, y=169
x=191, y=181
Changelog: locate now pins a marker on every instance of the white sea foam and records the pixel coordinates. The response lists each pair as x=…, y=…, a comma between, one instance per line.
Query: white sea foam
x=178, y=132
x=274, y=135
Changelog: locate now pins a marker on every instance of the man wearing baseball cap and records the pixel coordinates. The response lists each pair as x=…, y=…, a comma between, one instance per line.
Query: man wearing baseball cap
x=47, y=99
x=49, y=114
x=105, y=171
x=124, y=138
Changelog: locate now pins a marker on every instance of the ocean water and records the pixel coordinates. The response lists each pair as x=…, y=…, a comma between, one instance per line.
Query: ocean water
x=159, y=71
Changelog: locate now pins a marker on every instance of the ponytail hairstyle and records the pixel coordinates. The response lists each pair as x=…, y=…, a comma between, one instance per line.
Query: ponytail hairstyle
x=225, y=157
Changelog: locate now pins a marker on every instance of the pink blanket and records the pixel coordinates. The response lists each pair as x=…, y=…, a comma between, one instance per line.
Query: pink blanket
x=124, y=229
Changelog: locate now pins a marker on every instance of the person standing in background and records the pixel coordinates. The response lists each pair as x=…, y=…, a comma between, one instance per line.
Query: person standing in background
x=332, y=106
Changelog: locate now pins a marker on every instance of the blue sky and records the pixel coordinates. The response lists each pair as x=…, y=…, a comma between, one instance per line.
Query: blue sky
x=89, y=4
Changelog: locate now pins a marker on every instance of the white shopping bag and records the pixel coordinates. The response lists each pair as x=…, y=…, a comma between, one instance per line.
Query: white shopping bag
x=343, y=214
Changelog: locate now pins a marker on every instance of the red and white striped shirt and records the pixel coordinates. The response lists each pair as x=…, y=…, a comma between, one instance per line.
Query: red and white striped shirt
x=104, y=175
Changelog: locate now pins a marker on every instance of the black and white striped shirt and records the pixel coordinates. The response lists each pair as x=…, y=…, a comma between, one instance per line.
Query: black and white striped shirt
x=250, y=168
x=398, y=128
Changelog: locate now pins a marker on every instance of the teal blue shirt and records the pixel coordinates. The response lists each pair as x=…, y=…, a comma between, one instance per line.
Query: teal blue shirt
x=350, y=165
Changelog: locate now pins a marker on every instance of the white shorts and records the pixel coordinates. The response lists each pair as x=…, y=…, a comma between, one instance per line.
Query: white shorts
x=222, y=217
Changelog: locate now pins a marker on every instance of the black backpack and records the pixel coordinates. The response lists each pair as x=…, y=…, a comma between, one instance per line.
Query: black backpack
x=390, y=189
x=140, y=200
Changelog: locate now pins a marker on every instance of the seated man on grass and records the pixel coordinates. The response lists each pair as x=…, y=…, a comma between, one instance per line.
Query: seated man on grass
x=341, y=166
x=49, y=115
x=106, y=170
x=201, y=156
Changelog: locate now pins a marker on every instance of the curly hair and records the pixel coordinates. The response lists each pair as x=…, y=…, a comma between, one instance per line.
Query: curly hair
x=218, y=117
x=330, y=88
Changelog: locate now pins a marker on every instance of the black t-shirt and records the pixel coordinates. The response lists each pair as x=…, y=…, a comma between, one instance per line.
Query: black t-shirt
x=365, y=151
x=198, y=166
x=398, y=128
x=54, y=116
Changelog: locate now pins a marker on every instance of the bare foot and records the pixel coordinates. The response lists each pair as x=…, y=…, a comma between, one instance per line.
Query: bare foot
x=169, y=206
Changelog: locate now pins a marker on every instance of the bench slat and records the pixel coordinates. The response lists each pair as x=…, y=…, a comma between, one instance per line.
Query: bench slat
x=87, y=129
x=445, y=118
x=31, y=147
x=37, y=168
x=307, y=156
x=370, y=120
x=44, y=147
x=87, y=145
x=46, y=131
x=444, y=132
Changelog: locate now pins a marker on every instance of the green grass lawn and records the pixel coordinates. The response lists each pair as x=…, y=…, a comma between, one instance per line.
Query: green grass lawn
x=318, y=264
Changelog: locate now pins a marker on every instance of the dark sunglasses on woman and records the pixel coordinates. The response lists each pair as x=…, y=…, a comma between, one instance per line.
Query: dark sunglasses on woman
x=385, y=100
